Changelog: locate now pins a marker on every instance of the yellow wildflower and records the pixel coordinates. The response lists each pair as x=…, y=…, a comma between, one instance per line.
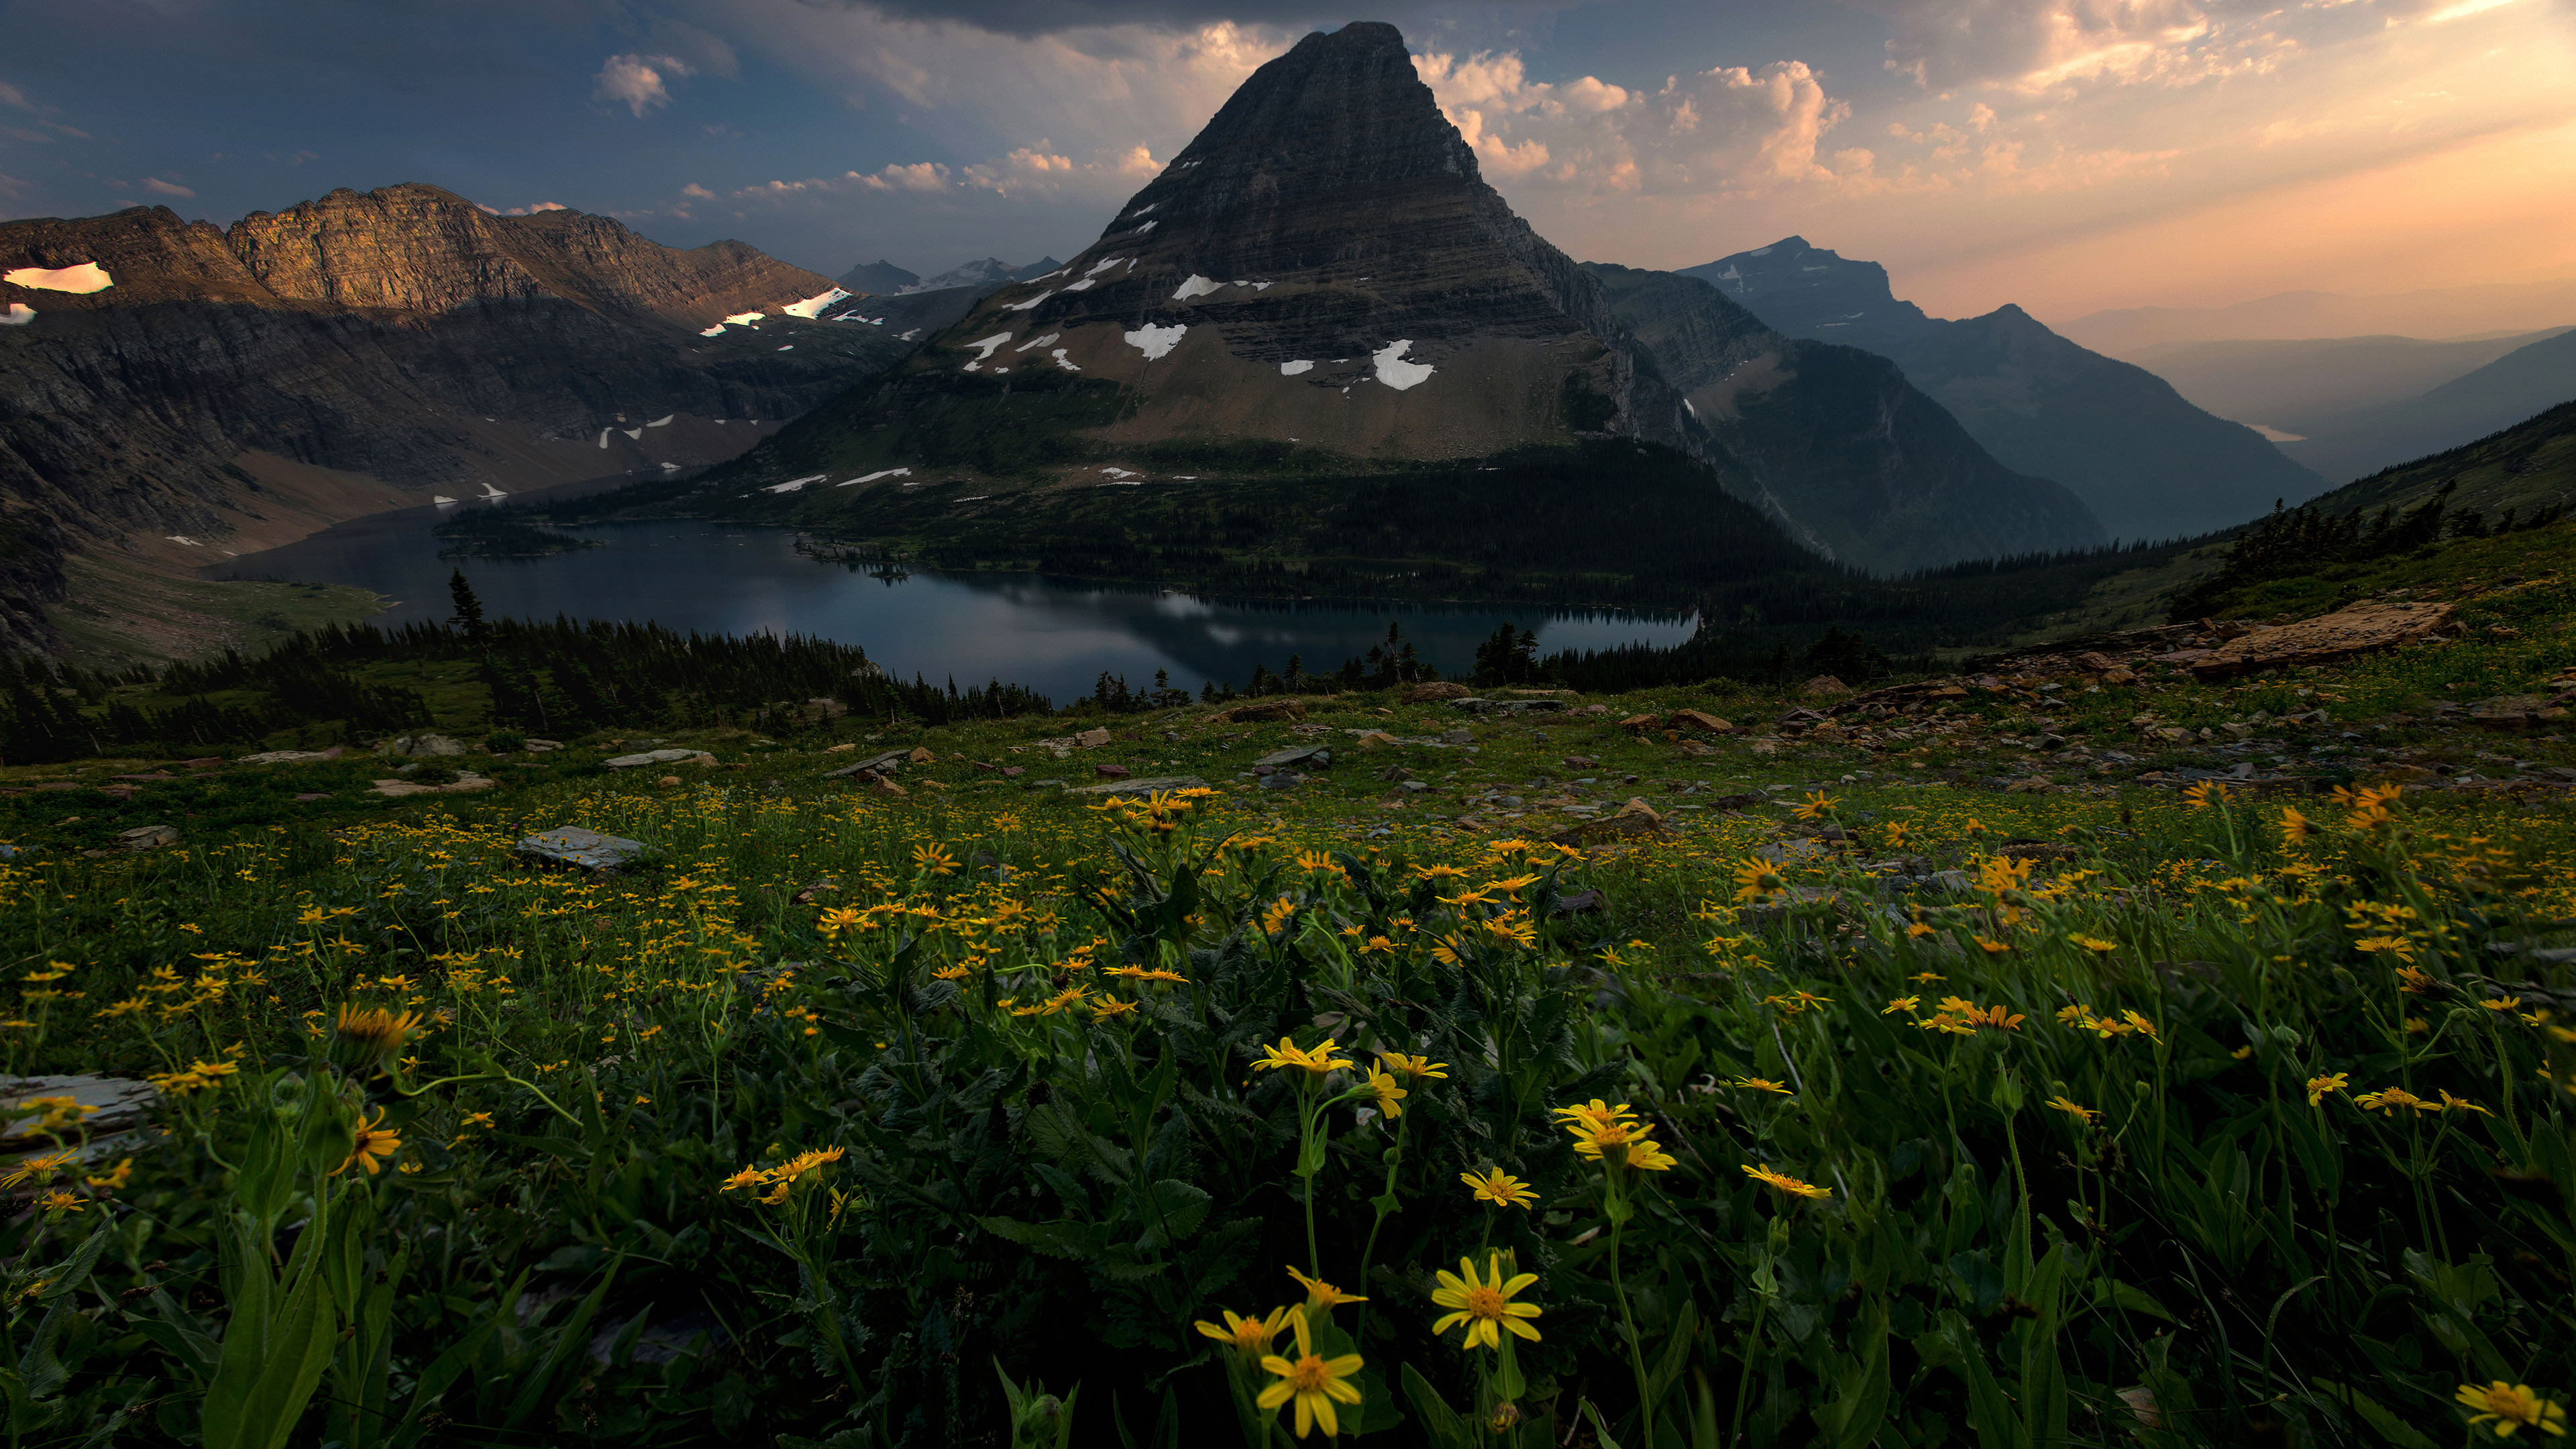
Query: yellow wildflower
x=1252, y=1337
x=1313, y=1382
x=1786, y=1183
x=1323, y=1295
x=1499, y=1188
x=1484, y=1303
x=2511, y=1407
x=1314, y=1061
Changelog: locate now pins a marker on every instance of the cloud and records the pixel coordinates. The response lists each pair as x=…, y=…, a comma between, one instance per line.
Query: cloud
x=1732, y=129
x=12, y=96
x=529, y=210
x=639, y=80
x=700, y=192
x=13, y=188
x=1027, y=18
x=165, y=188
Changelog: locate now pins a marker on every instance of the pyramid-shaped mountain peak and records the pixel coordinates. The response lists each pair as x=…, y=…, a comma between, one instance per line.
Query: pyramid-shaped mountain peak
x=1323, y=264
x=1338, y=112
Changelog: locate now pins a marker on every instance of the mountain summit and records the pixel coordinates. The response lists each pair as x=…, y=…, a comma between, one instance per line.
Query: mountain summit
x=1327, y=229
x=2148, y=463
x=1322, y=269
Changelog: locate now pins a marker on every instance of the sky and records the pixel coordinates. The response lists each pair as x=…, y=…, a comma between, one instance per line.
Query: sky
x=2066, y=155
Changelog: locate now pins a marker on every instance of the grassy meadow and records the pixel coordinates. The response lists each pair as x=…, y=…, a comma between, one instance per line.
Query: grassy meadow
x=1922, y=1080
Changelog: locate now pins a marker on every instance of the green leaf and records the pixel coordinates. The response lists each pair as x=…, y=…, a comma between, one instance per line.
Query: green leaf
x=1073, y=1240
x=1852, y=1420
x=2377, y=1415
x=1174, y=1206
x=2112, y=1293
x=272, y=1359
x=1442, y=1423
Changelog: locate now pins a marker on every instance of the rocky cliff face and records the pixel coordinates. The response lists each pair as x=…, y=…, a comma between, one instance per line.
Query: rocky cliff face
x=1851, y=457
x=2148, y=463
x=403, y=334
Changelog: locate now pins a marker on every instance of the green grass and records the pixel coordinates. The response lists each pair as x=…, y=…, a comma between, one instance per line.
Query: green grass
x=802, y=965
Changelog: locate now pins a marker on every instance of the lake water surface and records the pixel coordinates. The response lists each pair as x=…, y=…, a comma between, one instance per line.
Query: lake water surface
x=1052, y=635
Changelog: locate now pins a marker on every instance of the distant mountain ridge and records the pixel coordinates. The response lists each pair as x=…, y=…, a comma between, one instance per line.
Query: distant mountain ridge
x=2290, y=385
x=2524, y=382
x=2432, y=312
x=877, y=278
x=1323, y=269
x=2148, y=463
x=234, y=388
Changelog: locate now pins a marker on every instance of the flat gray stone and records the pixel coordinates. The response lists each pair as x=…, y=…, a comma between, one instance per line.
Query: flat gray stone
x=115, y=1103
x=578, y=845
x=1147, y=786
x=884, y=764
x=1311, y=756
x=651, y=757
x=147, y=837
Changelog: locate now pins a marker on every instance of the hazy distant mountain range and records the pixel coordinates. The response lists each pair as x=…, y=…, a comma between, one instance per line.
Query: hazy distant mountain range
x=2148, y=463
x=2286, y=384
x=2360, y=441
x=2437, y=312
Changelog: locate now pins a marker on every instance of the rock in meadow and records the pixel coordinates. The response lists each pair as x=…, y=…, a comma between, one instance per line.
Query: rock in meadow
x=581, y=846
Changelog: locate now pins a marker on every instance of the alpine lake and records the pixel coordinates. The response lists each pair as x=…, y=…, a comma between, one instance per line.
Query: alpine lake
x=1053, y=635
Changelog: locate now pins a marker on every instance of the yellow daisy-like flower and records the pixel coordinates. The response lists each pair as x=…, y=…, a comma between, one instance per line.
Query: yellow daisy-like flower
x=1761, y=1084
x=2295, y=826
x=1484, y=1304
x=748, y=1177
x=1323, y=1295
x=2512, y=1407
x=2085, y=1115
x=1817, y=806
x=1317, y=1060
x=933, y=859
x=2094, y=943
x=1499, y=1188
x=1252, y=1337
x=2388, y=1100
x=378, y=1030
x=1313, y=1382
x=59, y=1201
x=1390, y=1097
x=1758, y=880
x=2319, y=1086
x=1646, y=1155
x=1415, y=1068
x=2205, y=794
x=375, y=1143
x=1786, y=1183
x=1901, y=1003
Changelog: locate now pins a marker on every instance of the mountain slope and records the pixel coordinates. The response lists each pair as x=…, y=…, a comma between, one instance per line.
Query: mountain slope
x=2147, y=462
x=2288, y=385
x=1321, y=282
x=1857, y=461
x=233, y=389
x=2513, y=387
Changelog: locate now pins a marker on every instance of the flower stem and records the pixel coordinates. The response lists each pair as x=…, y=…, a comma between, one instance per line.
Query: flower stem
x=1636, y=1350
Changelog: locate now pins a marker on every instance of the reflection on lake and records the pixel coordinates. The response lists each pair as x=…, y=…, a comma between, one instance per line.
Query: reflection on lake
x=1053, y=635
